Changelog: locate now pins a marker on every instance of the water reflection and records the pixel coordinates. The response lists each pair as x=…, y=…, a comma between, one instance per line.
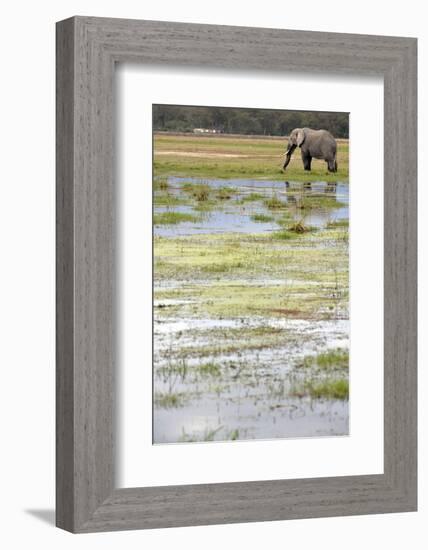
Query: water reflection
x=315, y=203
x=224, y=375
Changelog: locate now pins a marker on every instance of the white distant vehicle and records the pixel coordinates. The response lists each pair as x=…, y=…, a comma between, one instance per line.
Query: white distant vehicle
x=204, y=131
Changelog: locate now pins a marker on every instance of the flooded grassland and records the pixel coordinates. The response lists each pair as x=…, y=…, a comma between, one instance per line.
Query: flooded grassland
x=250, y=316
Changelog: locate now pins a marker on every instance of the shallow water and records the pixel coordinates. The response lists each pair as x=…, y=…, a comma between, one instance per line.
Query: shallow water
x=297, y=418
x=223, y=378
x=235, y=216
x=250, y=391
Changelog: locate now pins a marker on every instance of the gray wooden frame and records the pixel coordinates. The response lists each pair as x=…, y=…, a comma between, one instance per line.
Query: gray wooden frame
x=87, y=50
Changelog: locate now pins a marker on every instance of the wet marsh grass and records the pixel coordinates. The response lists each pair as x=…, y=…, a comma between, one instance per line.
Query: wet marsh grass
x=177, y=368
x=209, y=369
x=170, y=400
x=274, y=203
x=333, y=224
x=200, y=191
x=237, y=334
x=211, y=351
x=307, y=201
x=225, y=193
x=284, y=235
x=203, y=192
x=328, y=389
x=338, y=358
x=252, y=197
x=205, y=206
x=262, y=218
x=328, y=360
x=160, y=183
x=224, y=267
x=300, y=227
x=169, y=200
x=173, y=218
x=325, y=375
x=263, y=255
x=210, y=434
x=296, y=299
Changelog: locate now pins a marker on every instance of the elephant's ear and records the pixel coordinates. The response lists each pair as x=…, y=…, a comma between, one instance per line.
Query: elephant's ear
x=300, y=137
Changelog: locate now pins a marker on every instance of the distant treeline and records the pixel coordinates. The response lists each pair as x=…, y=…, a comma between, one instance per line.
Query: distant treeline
x=230, y=120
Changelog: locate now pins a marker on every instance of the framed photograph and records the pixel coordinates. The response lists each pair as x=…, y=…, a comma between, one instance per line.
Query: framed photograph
x=250, y=274
x=236, y=274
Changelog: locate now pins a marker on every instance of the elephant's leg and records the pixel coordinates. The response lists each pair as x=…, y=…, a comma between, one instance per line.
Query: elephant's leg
x=332, y=165
x=306, y=159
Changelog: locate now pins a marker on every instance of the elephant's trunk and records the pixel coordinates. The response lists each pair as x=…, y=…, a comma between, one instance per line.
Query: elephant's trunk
x=288, y=154
x=287, y=161
x=290, y=149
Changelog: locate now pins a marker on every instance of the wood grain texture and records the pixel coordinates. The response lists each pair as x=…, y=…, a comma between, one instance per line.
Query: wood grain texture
x=64, y=277
x=87, y=50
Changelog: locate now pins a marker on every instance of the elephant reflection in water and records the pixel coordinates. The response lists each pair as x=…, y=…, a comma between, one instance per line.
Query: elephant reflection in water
x=296, y=195
x=331, y=188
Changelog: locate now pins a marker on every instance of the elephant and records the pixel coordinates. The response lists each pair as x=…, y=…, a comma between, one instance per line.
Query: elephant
x=319, y=144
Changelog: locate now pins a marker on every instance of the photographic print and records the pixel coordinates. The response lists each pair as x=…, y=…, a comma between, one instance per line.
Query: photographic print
x=250, y=274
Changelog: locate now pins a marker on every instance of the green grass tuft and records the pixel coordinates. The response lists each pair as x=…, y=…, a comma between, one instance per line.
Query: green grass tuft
x=262, y=218
x=284, y=235
x=274, y=203
x=200, y=191
x=233, y=435
x=300, y=227
x=209, y=369
x=337, y=223
x=308, y=201
x=329, y=389
x=160, y=183
x=208, y=435
x=252, y=197
x=331, y=359
x=225, y=193
x=166, y=199
x=172, y=218
x=170, y=400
